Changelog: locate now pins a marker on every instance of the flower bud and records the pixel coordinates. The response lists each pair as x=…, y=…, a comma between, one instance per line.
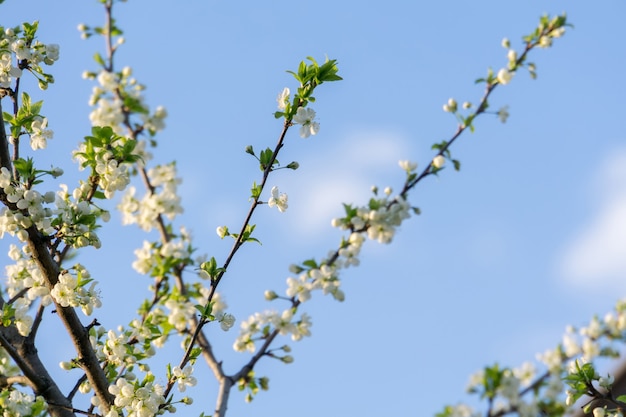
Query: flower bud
x=545, y=42
x=439, y=161
x=222, y=231
x=599, y=412
x=451, y=106
x=512, y=55
x=270, y=295
x=105, y=215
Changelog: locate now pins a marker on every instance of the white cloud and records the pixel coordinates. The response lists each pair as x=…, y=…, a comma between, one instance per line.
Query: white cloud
x=342, y=173
x=596, y=257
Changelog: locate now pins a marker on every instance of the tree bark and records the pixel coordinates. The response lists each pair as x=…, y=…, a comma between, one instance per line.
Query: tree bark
x=24, y=353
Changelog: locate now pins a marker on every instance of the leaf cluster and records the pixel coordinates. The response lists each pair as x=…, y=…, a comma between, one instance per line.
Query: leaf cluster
x=309, y=75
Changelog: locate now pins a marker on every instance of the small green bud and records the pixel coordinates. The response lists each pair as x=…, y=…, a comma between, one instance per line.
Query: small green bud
x=270, y=295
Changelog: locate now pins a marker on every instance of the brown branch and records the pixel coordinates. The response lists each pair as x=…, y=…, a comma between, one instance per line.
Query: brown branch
x=5, y=156
x=7, y=381
x=24, y=354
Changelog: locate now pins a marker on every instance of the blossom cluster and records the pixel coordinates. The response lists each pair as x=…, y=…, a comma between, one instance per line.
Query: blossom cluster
x=163, y=200
x=108, y=159
x=118, y=94
x=305, y=117
x=137, y=399
x=17, y=403
x=69, y=217
x=259, y=324
x=75, y=217
x=29, y=208
x=159, y=258
x=570, y=362
x=312, y=277
x=379, y=219
x=72, y=291
x=18, y=43
x=24, y=275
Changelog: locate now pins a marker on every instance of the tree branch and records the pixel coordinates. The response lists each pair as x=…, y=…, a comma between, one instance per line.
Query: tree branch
x=23, y=352
x=5, y=157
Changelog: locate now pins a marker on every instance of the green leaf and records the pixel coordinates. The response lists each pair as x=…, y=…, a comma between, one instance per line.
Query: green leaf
x=25, y=167
x=350, y=211
x=310, y=263
x=294, y=75
x=210, y=267
x=8, y=118
x=621, y=398
x=302, y=71
x=328, y=71
x=98, y=58
x=255, y=191
x=439, y=146
x=266, y=158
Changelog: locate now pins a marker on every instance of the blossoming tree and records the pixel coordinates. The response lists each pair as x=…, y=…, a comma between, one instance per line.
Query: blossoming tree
x=118, y=370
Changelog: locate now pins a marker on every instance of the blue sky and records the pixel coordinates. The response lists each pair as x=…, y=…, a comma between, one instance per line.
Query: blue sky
x=529, y=237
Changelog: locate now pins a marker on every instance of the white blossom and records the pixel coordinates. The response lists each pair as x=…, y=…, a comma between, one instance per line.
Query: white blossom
x=503, y=113
x=278, y=200
x=7, y=71
x=504, y=76
x=183, y=377
x=283, y=99
x=408, y=166
x=40, y=135
x=304, y=117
